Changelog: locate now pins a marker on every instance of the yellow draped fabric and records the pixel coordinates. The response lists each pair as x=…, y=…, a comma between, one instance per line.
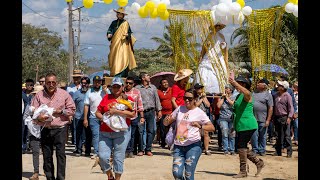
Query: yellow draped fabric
x=121, y=51
x=264, y=27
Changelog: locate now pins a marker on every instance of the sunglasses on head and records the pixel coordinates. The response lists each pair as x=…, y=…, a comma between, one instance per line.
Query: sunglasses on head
x=188, y=98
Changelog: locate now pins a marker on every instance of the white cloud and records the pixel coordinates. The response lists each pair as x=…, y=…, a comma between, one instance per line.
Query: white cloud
x=43, y=5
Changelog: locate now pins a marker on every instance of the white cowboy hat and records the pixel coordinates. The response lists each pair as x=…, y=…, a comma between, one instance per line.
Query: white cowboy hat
x=37, y=89
x=183, y=73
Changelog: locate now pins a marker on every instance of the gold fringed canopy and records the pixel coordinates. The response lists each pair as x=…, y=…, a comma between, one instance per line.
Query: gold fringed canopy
x=188, y=30
x=264, y=34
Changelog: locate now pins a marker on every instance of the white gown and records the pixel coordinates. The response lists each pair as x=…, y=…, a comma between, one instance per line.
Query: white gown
x=212, y=70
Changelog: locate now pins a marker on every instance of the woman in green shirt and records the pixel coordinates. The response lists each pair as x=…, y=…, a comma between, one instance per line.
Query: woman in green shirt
x=245, y=124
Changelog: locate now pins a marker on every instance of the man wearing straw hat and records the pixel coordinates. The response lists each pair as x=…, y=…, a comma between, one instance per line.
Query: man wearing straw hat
x=121, y=58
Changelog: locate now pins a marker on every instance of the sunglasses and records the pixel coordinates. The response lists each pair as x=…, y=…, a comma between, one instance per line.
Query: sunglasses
x=51, y=82
x=41, y=81
x=129, y=83
x=188, y=98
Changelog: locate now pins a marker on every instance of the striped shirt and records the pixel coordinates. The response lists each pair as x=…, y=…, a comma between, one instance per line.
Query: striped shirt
x=150, y=97
x=136, y=96
x=61, y=99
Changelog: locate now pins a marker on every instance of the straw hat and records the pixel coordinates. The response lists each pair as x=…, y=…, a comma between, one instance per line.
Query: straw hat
x=37, y=88
x=77, y=73
x=183, y=73
x=120, y=10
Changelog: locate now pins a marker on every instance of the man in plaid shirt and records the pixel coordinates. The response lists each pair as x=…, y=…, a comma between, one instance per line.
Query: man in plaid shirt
x=54, y=132
x=136, y=95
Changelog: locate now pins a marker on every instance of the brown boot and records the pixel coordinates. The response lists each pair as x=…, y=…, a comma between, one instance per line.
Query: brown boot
x=35, y=176
x=243, y=163
x=257, y=161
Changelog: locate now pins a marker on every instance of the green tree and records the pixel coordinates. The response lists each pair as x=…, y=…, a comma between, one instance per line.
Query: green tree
x=42, y=47
x=151, y=61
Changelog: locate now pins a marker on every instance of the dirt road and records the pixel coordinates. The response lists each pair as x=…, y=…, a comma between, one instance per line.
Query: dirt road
x=217, y=166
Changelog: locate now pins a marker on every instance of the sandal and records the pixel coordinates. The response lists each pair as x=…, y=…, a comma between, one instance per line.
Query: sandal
x=111, y=178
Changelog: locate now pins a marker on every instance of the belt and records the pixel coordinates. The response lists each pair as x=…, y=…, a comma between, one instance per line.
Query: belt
x=55, y=127
x=147, y=110
x=280, y=116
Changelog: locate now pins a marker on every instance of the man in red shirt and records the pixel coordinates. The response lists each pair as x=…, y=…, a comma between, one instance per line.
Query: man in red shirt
x=165, y=96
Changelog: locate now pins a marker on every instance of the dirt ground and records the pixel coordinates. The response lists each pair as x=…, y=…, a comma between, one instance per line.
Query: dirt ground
x=217, y=166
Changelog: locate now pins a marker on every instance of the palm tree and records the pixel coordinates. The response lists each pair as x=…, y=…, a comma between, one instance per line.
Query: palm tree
x=165, y=46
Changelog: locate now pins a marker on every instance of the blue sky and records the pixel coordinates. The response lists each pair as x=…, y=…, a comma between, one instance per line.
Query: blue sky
x=53, y=14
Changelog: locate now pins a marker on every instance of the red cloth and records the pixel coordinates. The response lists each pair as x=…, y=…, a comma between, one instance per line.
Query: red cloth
x=165, y=100
x=178, y=93
x=104, y=107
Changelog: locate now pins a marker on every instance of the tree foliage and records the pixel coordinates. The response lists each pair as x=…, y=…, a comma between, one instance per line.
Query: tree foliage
x=43, y=47
x=151, y=61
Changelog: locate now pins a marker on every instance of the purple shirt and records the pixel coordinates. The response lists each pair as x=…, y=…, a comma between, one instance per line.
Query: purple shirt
x=283, y=104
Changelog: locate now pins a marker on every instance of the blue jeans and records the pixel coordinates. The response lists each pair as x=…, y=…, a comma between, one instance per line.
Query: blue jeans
x=95, y=128
x=116, y=142
x=82, y=135
x=259, y=139
x=185, y=159
x=227, y=136
x=134, y=127
x=149, y=126
x=295, y=129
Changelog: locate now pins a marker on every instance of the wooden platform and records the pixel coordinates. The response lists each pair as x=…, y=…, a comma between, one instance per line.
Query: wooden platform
x=108, y=80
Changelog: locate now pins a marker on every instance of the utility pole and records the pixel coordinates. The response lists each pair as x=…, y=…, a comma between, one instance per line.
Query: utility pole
x=78, y=47
x=70, y=42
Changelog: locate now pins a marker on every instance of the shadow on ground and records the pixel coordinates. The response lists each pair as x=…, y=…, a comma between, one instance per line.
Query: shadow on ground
x=220, y=173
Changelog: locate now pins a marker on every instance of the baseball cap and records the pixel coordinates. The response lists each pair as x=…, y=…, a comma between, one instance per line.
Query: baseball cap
x=285, y=84
x=198, y=86
x=264, y=80
x=117, y=80
x=97, y=78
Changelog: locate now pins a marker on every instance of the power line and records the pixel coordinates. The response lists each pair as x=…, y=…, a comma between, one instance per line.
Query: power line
x=41, y=14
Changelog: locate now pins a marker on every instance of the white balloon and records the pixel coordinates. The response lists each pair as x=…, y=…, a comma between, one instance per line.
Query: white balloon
x=156, y=2
x=136, y=6
x=235, y=8
x=247, y=10
x=167, y=2
x=213, y=8
x=222, y=9
x=289, y=7
x=295, y=11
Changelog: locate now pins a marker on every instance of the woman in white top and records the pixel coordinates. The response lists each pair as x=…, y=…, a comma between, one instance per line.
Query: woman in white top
x=190, y=120
x=212, y=70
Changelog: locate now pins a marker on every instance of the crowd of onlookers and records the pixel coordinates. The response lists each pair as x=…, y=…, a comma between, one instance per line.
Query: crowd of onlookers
x=81, y=107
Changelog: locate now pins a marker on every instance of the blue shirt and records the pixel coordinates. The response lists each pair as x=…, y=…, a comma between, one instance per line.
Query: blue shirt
x=26, y=99
x=78, y=98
